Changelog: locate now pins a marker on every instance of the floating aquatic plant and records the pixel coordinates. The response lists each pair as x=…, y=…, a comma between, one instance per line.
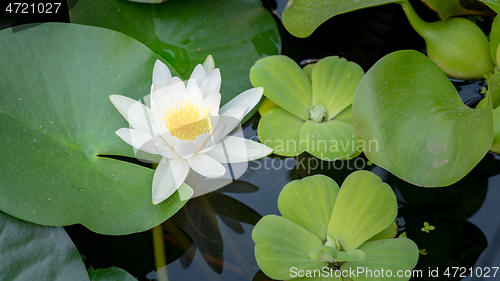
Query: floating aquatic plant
x=185, y=126
x=457, y=45
x=314, y=114
x=427, y=227
x=324, y=231
x=425, y=134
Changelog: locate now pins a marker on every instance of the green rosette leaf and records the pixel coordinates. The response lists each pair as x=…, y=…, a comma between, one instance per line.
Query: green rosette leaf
x=388, y=233
x=392, y=255
x=425, y=135
x=309, y=203
x=280, y=130
x=334, y=82
x=329, y=141
x=284, y=83
x=325, y=277
x=357, y=218
x=59, y=125
x=282, y=245
x=345, y=115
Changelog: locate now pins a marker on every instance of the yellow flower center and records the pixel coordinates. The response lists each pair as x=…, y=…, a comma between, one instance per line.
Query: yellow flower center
x=187, y=122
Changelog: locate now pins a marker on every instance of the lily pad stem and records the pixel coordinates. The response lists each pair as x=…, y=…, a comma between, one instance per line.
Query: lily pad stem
x=159, y=250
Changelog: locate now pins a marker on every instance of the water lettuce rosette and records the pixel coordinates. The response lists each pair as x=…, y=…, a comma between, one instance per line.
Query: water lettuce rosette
x=314, y=113
x=327, y=232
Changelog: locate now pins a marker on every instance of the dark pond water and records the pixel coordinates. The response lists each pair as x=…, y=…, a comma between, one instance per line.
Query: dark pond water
x=210, y=238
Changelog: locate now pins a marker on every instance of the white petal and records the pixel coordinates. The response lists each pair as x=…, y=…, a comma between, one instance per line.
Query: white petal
x=212, y=101
x=200, y=140
x=185, y=149
x=161, y=75
x=212, y=83
x=169, y=175
x=209, y=64
x=249, y=97
x=170, y=95
x=137, y=139
x=217, y=135
x=171, y=140
x=176, y=91
x=199, y=74
x=232, y=117
x=206, y=166
x=137, y=114
x=236, y=150
x=162, y=99
x=165, y=150
x=194, y=94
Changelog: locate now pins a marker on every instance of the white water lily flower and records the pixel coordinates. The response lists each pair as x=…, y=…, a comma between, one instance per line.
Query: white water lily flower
x=186, y=127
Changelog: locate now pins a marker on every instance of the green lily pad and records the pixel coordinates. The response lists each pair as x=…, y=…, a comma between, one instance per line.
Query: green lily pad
x=281, y=245
x=302, y=17
x=309, y=203
x=425, y=134
x=58, y=123
x=36, y=252
x=357, y=218
x=110, y=274
x=235, y=33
